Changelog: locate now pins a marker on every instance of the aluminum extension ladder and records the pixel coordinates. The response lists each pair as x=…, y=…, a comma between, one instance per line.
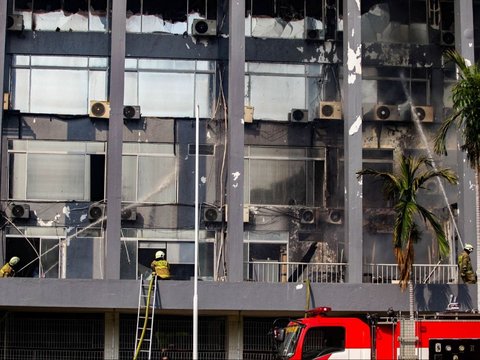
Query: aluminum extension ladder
x=147, y=296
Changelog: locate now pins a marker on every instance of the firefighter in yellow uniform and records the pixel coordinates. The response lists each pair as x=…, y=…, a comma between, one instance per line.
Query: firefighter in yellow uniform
x=7, y=269
x=160, y=266
x=465, y=266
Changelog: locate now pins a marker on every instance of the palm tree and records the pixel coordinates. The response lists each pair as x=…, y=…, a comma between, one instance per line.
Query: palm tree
x=465, y=117
x=402, y=188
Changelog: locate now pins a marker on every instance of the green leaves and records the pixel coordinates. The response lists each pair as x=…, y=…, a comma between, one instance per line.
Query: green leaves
x=403, y=187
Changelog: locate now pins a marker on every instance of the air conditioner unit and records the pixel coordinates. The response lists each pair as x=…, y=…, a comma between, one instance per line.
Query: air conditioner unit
x=386, y=112
x=314, y=34
x=330, y=110
x=131, y=112
x=99, y=109
x=202, y=27
x=18, y=211
x=335, y=216
x=307, y=216
x=96, y=211
x=298, y=115
x=15, y=22
x=447, y=38
x=129, y=214
x=212, y=215
x=423, y=113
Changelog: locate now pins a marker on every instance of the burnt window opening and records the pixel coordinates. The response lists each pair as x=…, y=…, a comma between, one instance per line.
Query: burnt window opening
x=99, y=5
x=47, y=5
x=380, y=160
x=97, y=176
x=134, y=6
x=23, y=5
x=75, y=6
x=170, y=11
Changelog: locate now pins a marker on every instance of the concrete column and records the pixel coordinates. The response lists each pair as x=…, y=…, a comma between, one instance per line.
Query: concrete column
x=234, y=337
x=115, y=140
x=112, y=336
x=468, y=216
x=352, y=117
x=235, y=136
x=3, y=32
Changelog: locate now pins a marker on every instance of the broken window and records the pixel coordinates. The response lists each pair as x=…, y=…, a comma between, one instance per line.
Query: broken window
x=149, y=173
x=281, y=176
x=53, y=170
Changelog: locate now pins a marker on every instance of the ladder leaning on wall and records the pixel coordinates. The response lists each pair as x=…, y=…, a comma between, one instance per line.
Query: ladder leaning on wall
x=147, y=295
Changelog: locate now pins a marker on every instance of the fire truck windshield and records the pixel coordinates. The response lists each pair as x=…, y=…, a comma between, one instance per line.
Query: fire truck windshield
x=287, y=347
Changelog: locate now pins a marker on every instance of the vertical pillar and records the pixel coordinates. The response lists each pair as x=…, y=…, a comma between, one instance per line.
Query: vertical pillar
x=352, y=115
x=3, y=33
x=235, y=136
x=234, y=337
x=115, y=140
x=467, y=198
x=112, y=336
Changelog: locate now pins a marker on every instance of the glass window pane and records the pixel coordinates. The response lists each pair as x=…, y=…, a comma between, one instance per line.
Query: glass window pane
x=203, y=93
x=156, y=179
x=129, y=171
x=268, y=68
x=59, y=91
x=166, y=64
x=166, y=94
x=58, y=177
x=19, y=60
x=72, y=147
x=128, y=260
x=21, y=90
x=131, y=89
x=272, y=104
x=49, y=259
x=277, y=182
x=180, y=253
x=98, y=62
x=60, y=61
x=80, y=258
x=97, y=86
x=18, y=176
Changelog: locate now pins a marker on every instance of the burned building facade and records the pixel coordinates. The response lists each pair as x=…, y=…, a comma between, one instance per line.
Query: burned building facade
x=102, y=100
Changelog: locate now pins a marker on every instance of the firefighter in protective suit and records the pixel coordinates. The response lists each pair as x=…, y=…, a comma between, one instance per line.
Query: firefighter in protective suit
x=465, y=265
x=7, y=269
x=160, y=266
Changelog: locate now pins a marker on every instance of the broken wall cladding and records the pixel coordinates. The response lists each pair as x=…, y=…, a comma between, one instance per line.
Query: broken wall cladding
x=402, y=55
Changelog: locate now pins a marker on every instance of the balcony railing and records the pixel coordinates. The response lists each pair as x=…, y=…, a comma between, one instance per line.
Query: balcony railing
x=422, y=273
x=275, y=272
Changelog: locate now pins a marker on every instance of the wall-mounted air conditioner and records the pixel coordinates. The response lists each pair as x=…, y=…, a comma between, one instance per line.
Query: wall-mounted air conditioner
x=129, y=214
x=212, y=215
x=307, y=216
x=423, y=113
x=18, y=211
x=99, y=109
x=333, y=216
x=96, y=211
x=298, y=116
x=15, y=22
x=447, y=38
x=131, y=112
x=386, y=112
x=314, y=34
x=330, y=110
x=202, y=27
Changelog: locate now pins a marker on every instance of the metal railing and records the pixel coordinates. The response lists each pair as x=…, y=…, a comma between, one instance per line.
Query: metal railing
x=278, y=272
x=422, y=273
x=275, y=271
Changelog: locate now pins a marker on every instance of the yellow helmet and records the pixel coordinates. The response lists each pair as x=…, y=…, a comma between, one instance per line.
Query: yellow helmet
x=14, y=260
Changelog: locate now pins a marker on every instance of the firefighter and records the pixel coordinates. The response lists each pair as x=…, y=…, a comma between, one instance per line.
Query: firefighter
x=7, y=269
x=160, y=266
x=465, y=265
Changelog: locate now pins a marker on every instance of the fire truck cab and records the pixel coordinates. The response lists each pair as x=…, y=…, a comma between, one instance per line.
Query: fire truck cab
x=318, y=336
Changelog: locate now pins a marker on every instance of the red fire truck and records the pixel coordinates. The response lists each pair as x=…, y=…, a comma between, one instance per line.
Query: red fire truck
x=320, y=336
